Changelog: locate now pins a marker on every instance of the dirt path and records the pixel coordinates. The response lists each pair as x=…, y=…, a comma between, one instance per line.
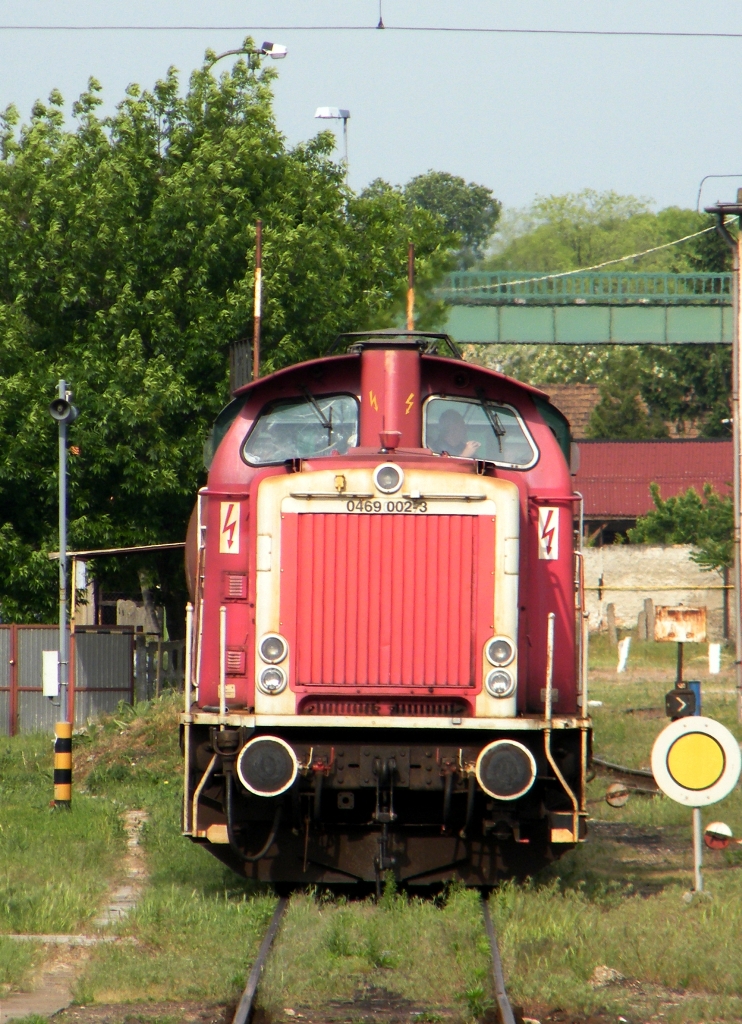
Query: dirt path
x=54, y=984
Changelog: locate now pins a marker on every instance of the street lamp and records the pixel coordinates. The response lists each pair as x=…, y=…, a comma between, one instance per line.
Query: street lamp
x=273, y=50
x=337, y=114
x=63, y=413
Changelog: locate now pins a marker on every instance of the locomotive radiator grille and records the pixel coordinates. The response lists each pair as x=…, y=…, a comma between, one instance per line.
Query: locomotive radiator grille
x=405, y=708
x=385, y=600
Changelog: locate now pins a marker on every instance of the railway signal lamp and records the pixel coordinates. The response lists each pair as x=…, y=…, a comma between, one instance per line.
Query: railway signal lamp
x=680, y=702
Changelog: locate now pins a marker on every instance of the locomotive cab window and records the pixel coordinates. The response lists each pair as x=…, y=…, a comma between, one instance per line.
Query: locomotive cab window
x=474, y=429
x=303, y=428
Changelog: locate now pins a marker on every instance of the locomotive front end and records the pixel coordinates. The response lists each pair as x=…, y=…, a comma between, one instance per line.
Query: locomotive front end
x=384, y=665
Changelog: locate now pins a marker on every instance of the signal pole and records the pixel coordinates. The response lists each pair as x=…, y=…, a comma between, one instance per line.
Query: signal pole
x=721, y=211
x=64, y=413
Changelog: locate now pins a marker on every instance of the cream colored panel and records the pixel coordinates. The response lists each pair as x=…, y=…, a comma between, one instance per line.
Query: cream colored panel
x=429, y=490
x=507, y=531
x=263, y=554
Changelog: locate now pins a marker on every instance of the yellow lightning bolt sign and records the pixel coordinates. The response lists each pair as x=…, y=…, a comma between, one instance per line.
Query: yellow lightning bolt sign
x=410, y=401
x=373, y=401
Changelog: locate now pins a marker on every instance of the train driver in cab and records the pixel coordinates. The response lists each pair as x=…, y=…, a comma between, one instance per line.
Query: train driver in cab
x=452, y=436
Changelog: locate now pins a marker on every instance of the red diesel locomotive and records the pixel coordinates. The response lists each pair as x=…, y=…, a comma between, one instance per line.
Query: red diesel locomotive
x=386, y=647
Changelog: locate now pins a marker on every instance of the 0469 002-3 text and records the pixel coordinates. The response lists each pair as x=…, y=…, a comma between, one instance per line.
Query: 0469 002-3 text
x=398, y=505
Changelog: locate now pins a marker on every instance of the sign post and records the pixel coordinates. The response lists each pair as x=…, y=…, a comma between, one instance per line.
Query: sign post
x=696, y=762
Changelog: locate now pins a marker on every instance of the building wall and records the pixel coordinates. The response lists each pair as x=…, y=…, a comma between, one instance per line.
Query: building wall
x=626, y=574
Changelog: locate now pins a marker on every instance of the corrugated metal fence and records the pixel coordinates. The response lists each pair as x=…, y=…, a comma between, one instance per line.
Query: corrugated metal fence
x=106, y=666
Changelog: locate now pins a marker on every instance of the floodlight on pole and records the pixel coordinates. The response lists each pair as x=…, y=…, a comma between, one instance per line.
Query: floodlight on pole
x=276, y=51
x=337, y=114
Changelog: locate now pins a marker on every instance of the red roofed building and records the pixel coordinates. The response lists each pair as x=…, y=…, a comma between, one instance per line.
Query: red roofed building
x=614, y=477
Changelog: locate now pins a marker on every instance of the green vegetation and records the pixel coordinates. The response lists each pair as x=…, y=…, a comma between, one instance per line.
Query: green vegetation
x=706, y=522
x=643, y=388
x=471, y=211
x=17, y=962
x=54, y=866
x=614, y=902
x=126, y=255
x=575, y=230
x=433, y=955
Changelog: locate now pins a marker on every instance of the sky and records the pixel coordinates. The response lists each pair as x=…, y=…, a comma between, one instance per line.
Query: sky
x=522, y=114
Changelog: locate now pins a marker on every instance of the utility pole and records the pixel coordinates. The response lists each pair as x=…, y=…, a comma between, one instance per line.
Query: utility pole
x=411, y=287
x=722, y=211
x=257, y=300
x=64, y=413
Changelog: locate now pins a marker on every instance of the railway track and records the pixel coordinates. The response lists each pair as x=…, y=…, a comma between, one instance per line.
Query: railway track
x=245, y=1007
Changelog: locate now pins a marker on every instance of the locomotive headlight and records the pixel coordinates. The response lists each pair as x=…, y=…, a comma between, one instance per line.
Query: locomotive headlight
x=500, y=683
x=506, y=769
x=273, y=648
x=272, y=680
x=500, y=652
x=267, y=766
x=388, y=477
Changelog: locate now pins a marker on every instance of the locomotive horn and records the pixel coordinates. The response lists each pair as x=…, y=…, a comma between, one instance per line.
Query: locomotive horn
x=506, y=769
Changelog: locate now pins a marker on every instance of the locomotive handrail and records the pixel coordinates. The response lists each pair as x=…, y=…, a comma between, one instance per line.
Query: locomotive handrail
x=551, y=618
x=199, y=790
x=348, y=495
x=327, y=495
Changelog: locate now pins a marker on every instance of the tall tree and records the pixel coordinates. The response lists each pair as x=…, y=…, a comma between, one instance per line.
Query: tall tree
x=126, y=254
x=470, y=210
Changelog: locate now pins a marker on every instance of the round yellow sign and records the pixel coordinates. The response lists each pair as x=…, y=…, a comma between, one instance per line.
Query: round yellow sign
x=695, y=761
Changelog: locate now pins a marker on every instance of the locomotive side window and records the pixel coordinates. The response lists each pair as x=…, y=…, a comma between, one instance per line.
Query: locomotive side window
x=474, y=429
x=303, y=428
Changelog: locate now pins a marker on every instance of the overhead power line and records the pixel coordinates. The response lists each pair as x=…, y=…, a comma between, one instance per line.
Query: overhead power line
x=475, y=30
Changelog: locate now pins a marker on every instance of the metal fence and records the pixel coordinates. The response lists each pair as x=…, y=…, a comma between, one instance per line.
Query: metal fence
x=590, y=287
x=107, y=665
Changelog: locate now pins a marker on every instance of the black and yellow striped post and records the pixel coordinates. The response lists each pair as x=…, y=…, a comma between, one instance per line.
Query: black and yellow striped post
x=63, y=765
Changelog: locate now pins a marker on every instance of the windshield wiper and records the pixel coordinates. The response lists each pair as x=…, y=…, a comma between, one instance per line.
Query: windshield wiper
x=492, y=416
x=324, y=420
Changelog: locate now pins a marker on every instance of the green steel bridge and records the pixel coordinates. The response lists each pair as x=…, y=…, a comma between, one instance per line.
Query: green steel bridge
x=588, y=308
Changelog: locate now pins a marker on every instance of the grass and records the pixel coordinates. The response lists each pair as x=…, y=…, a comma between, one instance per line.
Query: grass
x=198, y=926
x=17, y=963
x=552, y=938
x=435, y=955
x=54, y=865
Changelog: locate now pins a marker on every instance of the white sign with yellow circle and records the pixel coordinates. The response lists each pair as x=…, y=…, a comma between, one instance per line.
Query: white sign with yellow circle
x=696, y=761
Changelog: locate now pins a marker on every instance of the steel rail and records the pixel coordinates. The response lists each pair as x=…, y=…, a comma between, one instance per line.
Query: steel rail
x=504, y=1009
x=244, y=1007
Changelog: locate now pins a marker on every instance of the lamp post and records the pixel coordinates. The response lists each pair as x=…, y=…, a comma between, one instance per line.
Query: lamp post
x=337, y=114
x=64, y=413
x=273, y=50
x=721, y=211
